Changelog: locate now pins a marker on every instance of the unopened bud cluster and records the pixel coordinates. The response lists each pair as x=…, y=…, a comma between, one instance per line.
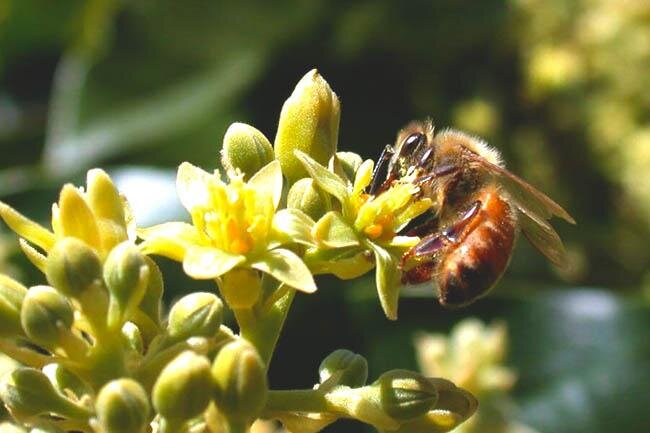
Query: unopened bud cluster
x=95, y=353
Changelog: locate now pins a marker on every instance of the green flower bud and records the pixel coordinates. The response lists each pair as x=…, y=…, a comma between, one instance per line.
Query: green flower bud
x=349, y=163
x=131, y=334
x=184, y=387
x=66, y=381
x=126, y=275
x=6, y=427
x=151, y=302
x=12, y=294
x=241, y=384
x=245, y=148
x=309, y=198
x=405, y=394
x=241, y=287
x=344, y=368
x=197, y=314
x=45, y=315
x=309, y=122
x=454, y=406
x=72, y=266
x=27, y=392
x=122, y=405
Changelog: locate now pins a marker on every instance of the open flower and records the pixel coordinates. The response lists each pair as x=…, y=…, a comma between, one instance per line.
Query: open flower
x=233, y=226
x=364, y=224
x=100, y=217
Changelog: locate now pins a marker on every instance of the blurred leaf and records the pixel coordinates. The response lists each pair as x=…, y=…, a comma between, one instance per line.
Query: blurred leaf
x=170, y=112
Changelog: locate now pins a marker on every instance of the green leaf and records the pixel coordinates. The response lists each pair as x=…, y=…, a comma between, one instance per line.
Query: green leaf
x=387, y=279
x=327, y=180
x=288, y=268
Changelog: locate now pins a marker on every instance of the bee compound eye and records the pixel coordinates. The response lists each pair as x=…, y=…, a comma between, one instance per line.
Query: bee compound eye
x=412, y=142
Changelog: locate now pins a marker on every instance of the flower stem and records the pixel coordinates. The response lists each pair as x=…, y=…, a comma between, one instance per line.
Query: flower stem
x=299, y=400
x=263, y=330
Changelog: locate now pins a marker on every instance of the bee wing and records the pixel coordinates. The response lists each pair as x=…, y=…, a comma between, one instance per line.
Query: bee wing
x=535, y=208
x=544, y=238
x=528, y=199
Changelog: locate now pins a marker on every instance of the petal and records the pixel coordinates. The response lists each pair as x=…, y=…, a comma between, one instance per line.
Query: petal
x=76, y=218
x=27, y=228
x=325, y=178
x=36, y=258
x=287, y=267
x=203, y=263
x=332, y=231
x=192, y=185
x=387, y=278
x=363, y=177
x=104, y=199
x=169, y=239
x=268, y=180
x=293, y=225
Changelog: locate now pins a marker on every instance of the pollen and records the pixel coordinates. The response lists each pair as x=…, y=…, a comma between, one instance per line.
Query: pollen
x=240, y=246
x=374, y=231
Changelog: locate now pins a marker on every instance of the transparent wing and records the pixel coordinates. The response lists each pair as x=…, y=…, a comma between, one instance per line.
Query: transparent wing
x=535, y=208
x=544, y=238
x=528, y=199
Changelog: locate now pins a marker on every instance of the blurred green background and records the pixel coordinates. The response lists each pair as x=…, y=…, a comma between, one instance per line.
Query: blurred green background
x=561, y=88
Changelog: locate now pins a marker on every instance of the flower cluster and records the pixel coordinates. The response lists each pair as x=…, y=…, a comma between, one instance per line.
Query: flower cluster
x=95, y=353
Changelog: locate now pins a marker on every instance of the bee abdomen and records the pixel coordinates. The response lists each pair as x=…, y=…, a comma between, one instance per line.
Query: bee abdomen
x=475, y=264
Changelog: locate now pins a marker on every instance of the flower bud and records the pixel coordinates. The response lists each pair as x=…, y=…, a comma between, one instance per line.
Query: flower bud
x=345, y=367
x=133, y=337
x=405, y=394
x=184, y=387
x=307, y=197
x=309, y=122
x=66, y=381
x=240, y=377
x=197, y=314
x=122, y=405
x=126, y=275
x=27, y=392
x=241, y=287
x=45, y=314
x=245, y=148
x=72, y=266
x=6, y=427
x=12, y=294
x=151, y=302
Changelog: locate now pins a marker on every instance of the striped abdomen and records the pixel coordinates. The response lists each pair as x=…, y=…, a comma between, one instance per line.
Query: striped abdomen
x=469, y=268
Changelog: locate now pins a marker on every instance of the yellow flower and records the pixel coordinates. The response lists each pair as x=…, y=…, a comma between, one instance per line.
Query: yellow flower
x=99, y=216
x=234, y=225
x=364, y=224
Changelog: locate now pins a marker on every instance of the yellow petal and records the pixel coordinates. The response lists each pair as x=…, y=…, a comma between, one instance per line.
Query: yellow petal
x=36, y=258
x=76, y=217
x=363, y=177
x=268, y=180
x=27, y=228
x=192, y=185
x=287, y=267
x=103, y=197
x=203, y=263
x=169, y=239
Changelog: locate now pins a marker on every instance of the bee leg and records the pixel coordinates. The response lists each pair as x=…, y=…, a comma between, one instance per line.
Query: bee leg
x=380, y=176
x=422, y=256
x=421, y=225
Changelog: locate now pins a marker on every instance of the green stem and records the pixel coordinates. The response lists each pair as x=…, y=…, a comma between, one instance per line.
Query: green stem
x=262, y=330
x=24, y=355
x=299, y=400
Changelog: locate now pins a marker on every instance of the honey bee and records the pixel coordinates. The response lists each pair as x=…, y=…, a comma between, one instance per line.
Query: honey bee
x=479, y=209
